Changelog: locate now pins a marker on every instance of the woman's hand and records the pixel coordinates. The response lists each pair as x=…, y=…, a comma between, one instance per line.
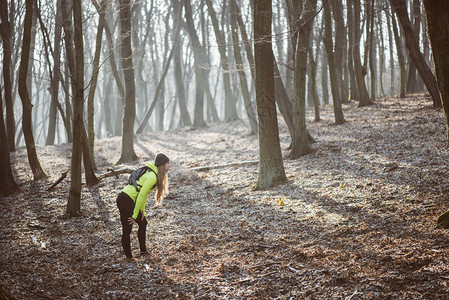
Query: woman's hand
x=131, y=221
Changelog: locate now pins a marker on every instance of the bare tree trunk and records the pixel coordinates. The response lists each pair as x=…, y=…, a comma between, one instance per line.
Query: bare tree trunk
x=412, y=45
x=350, y=23
x=364, y=98
x=245, y=39
x=271, y=169
x=25, y=97
x=325, y=77
x=54, y=84
x=390, y=46
x=401, y=58
x=128, y=154
x=283, y=101
x=76, y=60
x=328, y=41
x=411, y=78
x=66, y=84
x=372, y=52
x=108, y=95
x=180, y=89
x=230, y=104
x=316, y=100
x=300, y=141
x=93, y=84
x=438, y=29
x=199, y=54
x=250, y=111
x=159, y=87
x=5, y=32
x=7, y=185
x=340, y=36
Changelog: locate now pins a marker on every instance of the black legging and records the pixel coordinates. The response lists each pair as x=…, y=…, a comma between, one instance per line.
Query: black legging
x=126, y=206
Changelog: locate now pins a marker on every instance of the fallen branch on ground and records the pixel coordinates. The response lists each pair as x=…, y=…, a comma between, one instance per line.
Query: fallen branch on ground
x=113, y=172
x=63, y=176
x=241, y=163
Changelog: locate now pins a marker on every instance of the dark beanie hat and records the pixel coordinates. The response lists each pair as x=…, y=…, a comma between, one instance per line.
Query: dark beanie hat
x=160, y=159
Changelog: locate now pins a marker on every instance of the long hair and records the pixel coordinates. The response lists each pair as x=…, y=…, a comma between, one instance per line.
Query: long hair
x=161, y=184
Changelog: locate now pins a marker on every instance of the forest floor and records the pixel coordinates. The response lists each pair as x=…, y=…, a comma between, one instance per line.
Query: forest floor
x=356, y=219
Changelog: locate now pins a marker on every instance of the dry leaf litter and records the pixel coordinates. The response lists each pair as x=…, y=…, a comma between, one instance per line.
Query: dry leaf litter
x=354, y=221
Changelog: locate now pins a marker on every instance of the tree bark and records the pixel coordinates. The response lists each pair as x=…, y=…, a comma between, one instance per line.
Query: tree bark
x=54, y=84
x=400, y=8
x=271, y=169
x=300, y=141
x=341, y=37
x=7, y=185
x=93, y=84
x=401, y=59
x=316, y=100
x=250, y=111
x=185, y=119
x=390, y=46
x=5, y=32
x=77, y=70
x=328, y=42
x=438, y=29
x=364, y=99
x=283, y=101
x=199, y=54
x=230, y=104
x=372, y=52
x=180, y=89
x=411, y=78
x=25, y=97
x=350, y=23
x=128, y=154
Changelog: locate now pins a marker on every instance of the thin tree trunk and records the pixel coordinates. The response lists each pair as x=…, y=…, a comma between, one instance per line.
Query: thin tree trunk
x=360, y=73
x=325, y=78
x=316, y=100
x=245, y=39
x=283, y=101
x=328, y=41
x=160, y=83
x=179, y=77
x=381, y=49
x=25, y=97
x=401, y=59
x=66, y=84
x=230, y=105
x=76, y=66
x=199, y=54
x=54, y=84
x=93, y=85
x=128, y=154
x=340, y=36
x=350, y=24
x=412, y=45
x=300, y=141
x=250, y=111
x=411, y=78
x=108, y=95
x=390, y=46
x=180, y=89
x=372, y=53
